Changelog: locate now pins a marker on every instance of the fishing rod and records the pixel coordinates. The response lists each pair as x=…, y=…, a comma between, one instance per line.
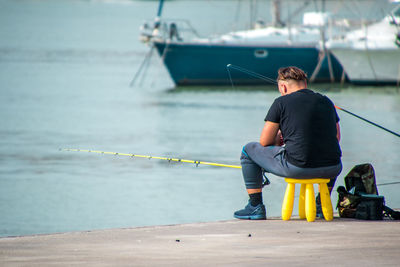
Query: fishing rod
x=265, y=78
x=197, y=162
x=364, y=119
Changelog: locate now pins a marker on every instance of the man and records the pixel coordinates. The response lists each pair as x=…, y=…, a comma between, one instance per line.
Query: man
x=300, y=139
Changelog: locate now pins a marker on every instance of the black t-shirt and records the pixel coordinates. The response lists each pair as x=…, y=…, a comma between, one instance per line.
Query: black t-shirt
x=307, y=121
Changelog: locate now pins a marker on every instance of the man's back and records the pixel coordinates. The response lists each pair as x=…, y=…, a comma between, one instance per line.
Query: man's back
x=308, y=124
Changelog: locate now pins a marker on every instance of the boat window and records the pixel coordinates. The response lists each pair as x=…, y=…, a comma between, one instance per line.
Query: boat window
x=260, y=53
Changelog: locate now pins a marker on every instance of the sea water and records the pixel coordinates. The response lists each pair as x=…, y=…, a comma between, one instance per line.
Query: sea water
x=65, y=70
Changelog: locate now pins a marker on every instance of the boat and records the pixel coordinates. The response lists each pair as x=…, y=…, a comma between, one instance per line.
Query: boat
x=371, y=54
x=263, y=49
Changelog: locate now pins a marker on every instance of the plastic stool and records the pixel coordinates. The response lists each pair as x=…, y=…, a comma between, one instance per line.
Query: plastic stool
x=307, y=207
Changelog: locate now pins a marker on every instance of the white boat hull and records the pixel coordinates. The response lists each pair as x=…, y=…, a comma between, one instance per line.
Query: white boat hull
x=370, y=66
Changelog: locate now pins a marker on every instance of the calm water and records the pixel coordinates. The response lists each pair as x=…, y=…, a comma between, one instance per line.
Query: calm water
x=65, y=69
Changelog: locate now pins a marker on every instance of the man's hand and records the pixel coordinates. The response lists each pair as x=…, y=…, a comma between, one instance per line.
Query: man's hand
x=269, y=134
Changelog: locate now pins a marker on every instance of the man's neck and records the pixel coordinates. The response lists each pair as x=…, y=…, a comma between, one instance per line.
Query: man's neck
x=293, y=89
x=296, y=86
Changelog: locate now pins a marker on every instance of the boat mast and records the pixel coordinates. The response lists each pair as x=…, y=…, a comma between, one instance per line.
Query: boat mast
x=276, y=13
x=157, y=20
x=160, y=7
x=325, y=51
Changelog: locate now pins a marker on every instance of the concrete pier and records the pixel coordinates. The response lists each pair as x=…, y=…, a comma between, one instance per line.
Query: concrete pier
x=341, y=242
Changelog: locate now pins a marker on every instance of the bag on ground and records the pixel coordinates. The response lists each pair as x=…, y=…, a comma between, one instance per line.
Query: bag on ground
x=360, y=198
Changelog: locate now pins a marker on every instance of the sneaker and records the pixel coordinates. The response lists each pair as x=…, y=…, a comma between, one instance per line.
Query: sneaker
x=251, y=213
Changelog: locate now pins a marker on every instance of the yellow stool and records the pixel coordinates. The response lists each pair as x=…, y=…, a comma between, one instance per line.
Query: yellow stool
x=307, y=207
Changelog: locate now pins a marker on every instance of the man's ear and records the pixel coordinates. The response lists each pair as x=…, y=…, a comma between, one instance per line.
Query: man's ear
x=284, y=87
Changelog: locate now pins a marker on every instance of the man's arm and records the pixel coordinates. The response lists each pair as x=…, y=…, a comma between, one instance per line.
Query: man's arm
x=338, y=131
x=269, y=133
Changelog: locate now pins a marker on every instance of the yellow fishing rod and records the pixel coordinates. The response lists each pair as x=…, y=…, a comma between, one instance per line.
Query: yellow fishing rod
x=197, y=162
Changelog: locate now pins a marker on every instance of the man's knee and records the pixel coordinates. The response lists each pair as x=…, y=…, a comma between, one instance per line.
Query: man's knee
x=246, y=150
x=243, y=154
x=249, y=148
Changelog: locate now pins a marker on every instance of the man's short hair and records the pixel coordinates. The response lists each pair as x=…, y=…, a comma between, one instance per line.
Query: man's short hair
x=291, y=73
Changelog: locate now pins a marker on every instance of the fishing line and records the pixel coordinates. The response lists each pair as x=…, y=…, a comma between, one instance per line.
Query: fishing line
x=388, y=183
x=262, y=77
x=249, y=72
x=229, y=74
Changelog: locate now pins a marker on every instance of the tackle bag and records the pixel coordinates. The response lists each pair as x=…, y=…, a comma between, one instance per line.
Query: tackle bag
x=360, y=198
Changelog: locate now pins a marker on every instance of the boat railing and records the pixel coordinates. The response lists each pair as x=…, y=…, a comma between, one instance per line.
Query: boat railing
x=167, y=29
x=338, y=28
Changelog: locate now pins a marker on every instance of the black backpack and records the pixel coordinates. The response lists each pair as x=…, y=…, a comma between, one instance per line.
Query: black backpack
x=360, y=198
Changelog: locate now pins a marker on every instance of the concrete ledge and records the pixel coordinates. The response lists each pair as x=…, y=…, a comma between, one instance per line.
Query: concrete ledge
x=341, y=242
